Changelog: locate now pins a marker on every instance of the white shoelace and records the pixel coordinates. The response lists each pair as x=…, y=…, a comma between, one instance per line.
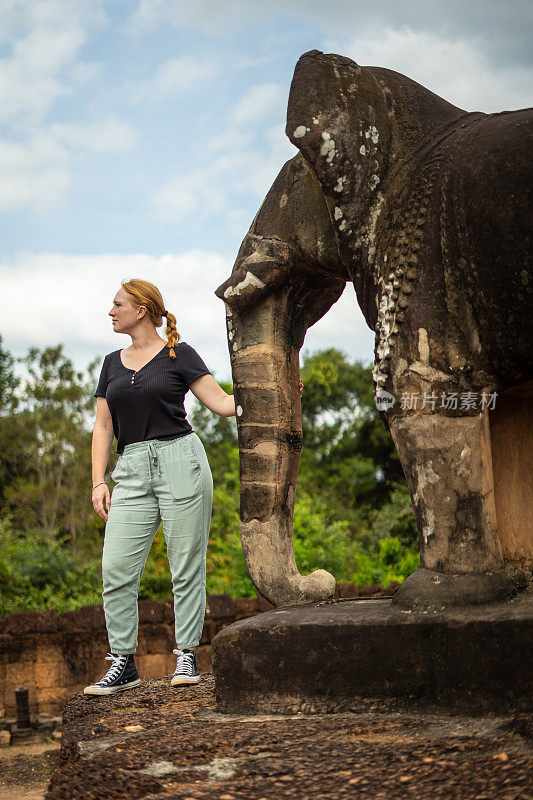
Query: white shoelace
x=114, y=669
x=185, y=663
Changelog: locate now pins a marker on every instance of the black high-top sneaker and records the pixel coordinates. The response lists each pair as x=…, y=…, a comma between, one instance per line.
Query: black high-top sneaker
x=186, y=670
x=122, y=674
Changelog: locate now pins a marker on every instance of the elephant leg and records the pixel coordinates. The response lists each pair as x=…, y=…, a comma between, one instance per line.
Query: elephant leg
x=448, y=466
x=511, y=431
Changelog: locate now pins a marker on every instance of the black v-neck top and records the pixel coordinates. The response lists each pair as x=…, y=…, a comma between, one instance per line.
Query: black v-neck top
x=148, y=403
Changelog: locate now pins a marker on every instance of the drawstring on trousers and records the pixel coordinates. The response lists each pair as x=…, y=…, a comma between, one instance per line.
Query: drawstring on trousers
x=152, y=451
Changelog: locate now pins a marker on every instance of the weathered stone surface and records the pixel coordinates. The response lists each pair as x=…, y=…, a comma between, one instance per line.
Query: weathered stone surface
x=346, y=590
x=429, y=588
x=186, y=750
x=449, y=473
x=221, y=606
x=246, y=607
x=349, y=655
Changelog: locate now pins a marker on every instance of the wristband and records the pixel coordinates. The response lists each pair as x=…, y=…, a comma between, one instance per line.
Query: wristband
x=98, y=484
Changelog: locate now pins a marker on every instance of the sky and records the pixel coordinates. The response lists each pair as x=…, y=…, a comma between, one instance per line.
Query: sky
x=138, y=139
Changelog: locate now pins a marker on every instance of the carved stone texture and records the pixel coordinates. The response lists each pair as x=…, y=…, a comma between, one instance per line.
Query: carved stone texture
x=427, y=209
x=351, y=655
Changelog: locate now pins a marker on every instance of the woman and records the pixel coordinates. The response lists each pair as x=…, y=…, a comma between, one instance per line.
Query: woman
x=162, y=474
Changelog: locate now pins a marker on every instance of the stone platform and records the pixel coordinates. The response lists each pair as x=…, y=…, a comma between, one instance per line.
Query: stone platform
x=357, y=655
x=159, y=743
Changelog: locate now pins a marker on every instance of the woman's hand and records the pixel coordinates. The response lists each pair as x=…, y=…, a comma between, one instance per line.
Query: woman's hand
x=101, y=500
x=301, y=386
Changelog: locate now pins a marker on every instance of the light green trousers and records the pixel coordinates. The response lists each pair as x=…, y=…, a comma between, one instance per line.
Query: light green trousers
x=168, y=481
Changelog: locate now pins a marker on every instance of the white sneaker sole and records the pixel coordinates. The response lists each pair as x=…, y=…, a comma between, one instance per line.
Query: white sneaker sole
x=183, y=679
x=105, y=690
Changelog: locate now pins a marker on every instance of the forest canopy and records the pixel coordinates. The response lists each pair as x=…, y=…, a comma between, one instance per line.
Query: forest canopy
x=353, y=514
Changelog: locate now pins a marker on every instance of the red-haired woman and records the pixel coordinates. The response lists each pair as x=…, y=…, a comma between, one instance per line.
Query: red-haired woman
x=162, y=475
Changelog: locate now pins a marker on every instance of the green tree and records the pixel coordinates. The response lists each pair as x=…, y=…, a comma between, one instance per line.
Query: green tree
x=8, y=381
x=348, y=451
x=37, y=571
x=50, y=488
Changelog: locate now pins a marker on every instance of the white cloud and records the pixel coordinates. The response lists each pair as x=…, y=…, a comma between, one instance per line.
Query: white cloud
x=55, y=297
x=476, y=54
x=259, y=103
x=210, y=17
x=172, y=78
x=34, y=174
x=50, y=298
x=47, y=36
x=343, y=327
x=86, y=72
x=505, y=28
x=43, y=40
x=189, y=195
x=454, y=68
x=244, y=158
x=108, y=135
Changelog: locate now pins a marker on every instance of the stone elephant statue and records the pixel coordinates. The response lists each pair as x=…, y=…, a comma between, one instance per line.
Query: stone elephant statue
x=427, y=210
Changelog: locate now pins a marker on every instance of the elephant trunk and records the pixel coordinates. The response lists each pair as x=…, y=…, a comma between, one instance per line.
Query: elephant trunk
x=265, y=364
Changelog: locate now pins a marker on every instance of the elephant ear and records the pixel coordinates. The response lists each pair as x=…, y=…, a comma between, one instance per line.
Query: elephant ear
x=337, y=117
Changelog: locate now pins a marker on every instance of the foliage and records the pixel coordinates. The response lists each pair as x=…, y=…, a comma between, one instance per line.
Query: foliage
x=46, y=451
x=38, y=571
x=352, y=517
x=392, y=562
x=8, y=381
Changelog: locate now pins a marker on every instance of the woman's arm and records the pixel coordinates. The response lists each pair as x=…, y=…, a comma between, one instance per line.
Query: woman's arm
x=213, y=396
x=101, y=447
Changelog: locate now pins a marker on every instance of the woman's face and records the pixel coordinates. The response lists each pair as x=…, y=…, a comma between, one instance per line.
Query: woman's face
x=124, y=316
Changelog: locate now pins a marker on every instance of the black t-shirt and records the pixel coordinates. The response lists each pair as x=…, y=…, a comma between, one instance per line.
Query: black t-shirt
x=148, y=403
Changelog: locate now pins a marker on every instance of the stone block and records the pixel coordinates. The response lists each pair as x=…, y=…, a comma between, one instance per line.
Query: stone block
x=17, y=649
x=347, y=590
x=246, y=607
x=72, y=672
x=20, y=673
x=168, y=611
x=47, y=673
x=170, y=663
x=52, y=699
x=22, y=623
x=10, y=702
x=48, y=652
x=350, y=656
x=203, y=658
x=151, y=611
x=221, y=606
x=263, y=603
x=369, y=589
x=152, y=666
x=158, y=638
x=96, y=669
x=88, y=618
x=211, y=627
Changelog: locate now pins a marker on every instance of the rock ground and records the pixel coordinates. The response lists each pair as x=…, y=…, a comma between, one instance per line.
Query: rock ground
x=25, y=770
x=155, y=742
